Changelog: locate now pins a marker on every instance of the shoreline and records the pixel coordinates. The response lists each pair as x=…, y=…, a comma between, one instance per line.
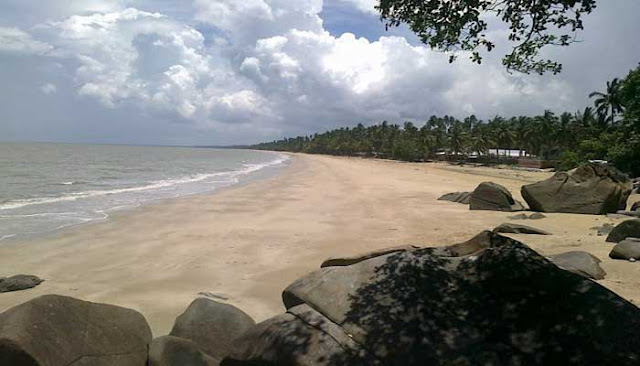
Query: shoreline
x=263, y=173
x=246, y=243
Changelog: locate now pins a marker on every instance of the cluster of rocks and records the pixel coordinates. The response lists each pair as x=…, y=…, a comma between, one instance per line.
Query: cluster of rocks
x=589, y=189
x=483, y=301
x=626, y=235
x=59, y=330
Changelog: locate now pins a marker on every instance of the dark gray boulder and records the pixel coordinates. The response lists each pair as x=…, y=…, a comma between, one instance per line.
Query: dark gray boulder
x=60, y=330
x=625, y=229
x=212, y=325
x=19, y=282
x=457, y=197
x=491, y=300
x=174, y=351
x=626, y=249
x=582, y=263
x=509, y=228
x=589, y=189
x=493, y=197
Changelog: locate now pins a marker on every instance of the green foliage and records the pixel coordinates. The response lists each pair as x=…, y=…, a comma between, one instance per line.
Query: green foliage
x=626, y=154
x=571, y=139
x=453, y=26
x=569, y=160
x=630, y=98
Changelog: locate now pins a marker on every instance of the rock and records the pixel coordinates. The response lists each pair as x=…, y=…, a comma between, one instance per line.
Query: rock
x=537, y=216
x=302, y=336
x=19, y=282
x=60, y=330
x=589, y=189
x=519, y=217
x=629, y=228
x=493, y=197
x=457, y=197
x=523, y=216
x=626, y=249
x=212, y=325
x=174, y=351
x=501, y=304
x=581, y=263
x=635, y=206
x=519, y=229
x=347, y=261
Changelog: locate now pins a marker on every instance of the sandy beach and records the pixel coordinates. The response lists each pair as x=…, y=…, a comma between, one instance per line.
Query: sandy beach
x=246, y=244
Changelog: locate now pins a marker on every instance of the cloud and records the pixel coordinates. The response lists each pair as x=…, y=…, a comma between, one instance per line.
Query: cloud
x=14, y=40
x=234, y=72
x=366, y=6
x=48, y=88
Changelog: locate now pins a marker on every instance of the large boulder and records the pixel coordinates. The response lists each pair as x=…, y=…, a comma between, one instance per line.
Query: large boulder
x=510, y=228
x=493, y=197
x=589, y=189
x=301, y=336
x=582, y=263
x=19, y=282
x=174, y=351
x=626, y=229
x=59, y=330
x=491, y=300
x=457, y=197
x=626, y=249
x=212, y=325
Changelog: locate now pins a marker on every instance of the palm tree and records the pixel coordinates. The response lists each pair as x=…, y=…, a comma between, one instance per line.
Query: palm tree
x=504, y=134
x=609, y=103
x=545, y=131
x=523, y=132
x=457, y=139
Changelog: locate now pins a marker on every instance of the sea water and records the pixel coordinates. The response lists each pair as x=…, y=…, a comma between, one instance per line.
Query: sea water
x=45, y=187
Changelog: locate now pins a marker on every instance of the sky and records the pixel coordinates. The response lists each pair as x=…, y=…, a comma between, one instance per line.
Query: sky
x=221, y=72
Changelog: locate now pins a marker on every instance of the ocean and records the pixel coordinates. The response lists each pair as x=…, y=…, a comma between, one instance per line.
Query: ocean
x=45, y=187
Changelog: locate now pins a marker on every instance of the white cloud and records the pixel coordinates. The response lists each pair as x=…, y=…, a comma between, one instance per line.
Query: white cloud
x=14, y=40
x=265, y=68
x=366, y=6
x=48, y=88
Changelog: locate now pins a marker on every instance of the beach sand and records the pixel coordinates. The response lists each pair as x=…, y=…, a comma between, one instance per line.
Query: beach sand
x=249, y=242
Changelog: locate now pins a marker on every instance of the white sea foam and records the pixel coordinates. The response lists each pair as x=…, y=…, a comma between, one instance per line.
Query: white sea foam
x=232, y=177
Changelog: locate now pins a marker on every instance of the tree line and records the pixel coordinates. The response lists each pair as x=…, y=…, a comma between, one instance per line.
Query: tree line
x=610, y=130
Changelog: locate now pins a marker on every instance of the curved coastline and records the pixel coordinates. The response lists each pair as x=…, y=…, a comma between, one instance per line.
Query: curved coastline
x=248, y=242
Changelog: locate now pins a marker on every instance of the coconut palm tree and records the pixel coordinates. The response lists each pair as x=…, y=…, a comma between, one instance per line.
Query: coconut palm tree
x=609, y=103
